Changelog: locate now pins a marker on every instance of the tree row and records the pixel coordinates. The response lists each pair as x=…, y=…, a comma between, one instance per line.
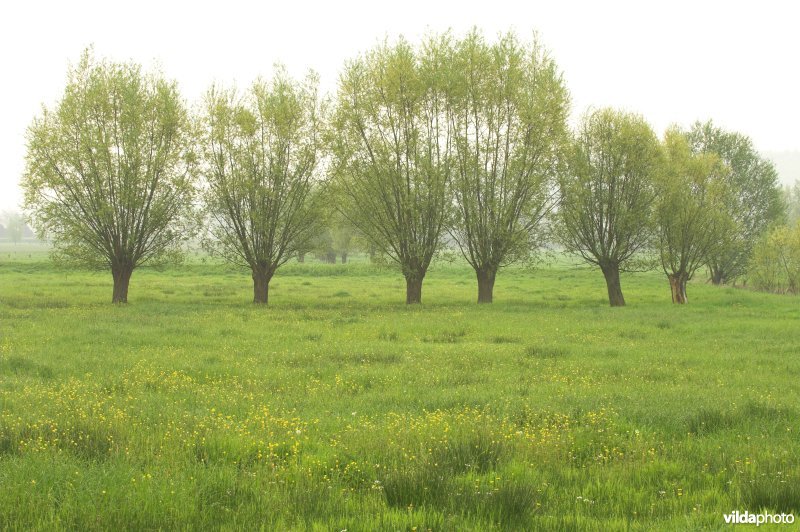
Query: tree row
x=453, y=139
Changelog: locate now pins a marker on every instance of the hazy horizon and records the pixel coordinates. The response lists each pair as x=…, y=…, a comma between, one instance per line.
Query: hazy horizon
x=724, y=61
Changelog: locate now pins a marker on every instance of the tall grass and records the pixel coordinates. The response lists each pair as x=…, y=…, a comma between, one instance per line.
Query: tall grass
x=338, y=407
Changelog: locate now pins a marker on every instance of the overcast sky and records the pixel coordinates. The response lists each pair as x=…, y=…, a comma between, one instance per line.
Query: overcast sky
x=672, y=61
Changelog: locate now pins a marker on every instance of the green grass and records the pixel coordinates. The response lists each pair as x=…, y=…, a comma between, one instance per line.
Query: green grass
x=339, y=407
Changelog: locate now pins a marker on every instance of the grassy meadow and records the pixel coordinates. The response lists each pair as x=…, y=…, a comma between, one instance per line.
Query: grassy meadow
x=339, y=407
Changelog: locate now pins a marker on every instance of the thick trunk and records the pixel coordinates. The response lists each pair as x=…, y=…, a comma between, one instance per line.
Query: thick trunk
x=301, y=257
x=611, y=273
x=261, y=279
x=331, y=257
x=717, y=276
x=414, y=290
x=677, y=284
x=485, y=284
x=122, y=278
x=344, y=257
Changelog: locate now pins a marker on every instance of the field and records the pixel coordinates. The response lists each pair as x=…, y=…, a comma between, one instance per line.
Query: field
x=340, y=408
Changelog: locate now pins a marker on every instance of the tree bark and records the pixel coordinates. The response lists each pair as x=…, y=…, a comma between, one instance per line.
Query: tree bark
x=485, y=284
x=261, y=279
x=611, y=273
x=677, y=284
x=122, y=278
x=301, y=257
x=413, y=290
x=717, y=276
x=344, y=257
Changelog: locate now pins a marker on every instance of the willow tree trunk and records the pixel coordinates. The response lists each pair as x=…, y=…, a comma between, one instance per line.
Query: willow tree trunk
x=677, y=284
x=717, y=276
x=344, y=257
x=485, y=284
x=261, y=279
x=122, y=278
x=301, y=257
x=611, y=273
x=414, y=289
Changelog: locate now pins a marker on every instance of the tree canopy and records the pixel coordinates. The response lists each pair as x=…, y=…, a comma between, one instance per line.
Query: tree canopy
x=754, y=204
x=690, y=211
x=791, y=198
x=775, y=264
x=391, y=147
x=108, y=174
x=261, y=156
x=607, y=194
x=507, y=107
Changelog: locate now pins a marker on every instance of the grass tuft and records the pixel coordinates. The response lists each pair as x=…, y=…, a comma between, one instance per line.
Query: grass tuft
x=546, y=351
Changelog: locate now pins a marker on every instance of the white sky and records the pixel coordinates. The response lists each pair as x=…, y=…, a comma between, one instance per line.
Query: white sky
x=673, y=61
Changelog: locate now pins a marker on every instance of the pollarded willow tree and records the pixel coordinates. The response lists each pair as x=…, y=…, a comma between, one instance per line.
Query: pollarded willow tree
x=608, y=193
x=755, y=202
x=691, y=215
x=261, y=153
x=108, y=174
x=391, y=151
x=507, y=107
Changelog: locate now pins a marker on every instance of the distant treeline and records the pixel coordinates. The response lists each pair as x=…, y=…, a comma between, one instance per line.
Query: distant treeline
x=13, y=228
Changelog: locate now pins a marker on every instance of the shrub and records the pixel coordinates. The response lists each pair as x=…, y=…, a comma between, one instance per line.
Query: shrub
x=775, y=265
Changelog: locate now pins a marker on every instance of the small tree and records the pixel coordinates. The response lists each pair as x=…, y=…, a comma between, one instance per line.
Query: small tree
x=342, y=233
x=108, y=170
x=791, y=198
x=508, y=107
x=322, y=245
x=755, y=202
x=261, y=153
x=607, y=194
x=391, y=146
x=15, y=226
x=336, y=236
x=690, y=211
x=775, y=265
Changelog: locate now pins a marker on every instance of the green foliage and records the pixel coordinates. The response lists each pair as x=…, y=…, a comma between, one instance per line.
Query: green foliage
x=261, y=154
x=791, y=198
x=607, y=194
x=508, y=105
x=775, y=264
x=690, y=212
x=755, y=201
x=108, y=174
x=336, y=238
x=390, y=150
